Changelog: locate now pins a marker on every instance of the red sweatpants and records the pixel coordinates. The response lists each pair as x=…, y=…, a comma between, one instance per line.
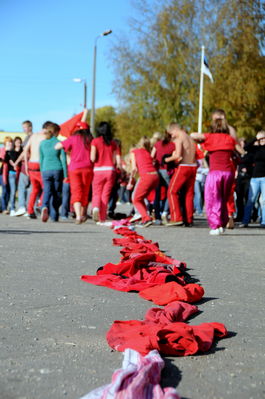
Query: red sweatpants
x=80, y=182
x=103, y=182
x=36, y=184
x=145, y=184
x=183, y=176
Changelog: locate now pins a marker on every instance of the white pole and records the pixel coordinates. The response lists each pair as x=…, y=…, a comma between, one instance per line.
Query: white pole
x=201, y=93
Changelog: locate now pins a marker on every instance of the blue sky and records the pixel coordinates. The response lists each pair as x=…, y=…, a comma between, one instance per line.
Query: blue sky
x=44, y=45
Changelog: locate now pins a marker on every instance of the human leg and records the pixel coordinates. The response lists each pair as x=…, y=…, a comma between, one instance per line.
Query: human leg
x=213, y=199
x=23, y=184
x=13, y=187
x=254, y=190
x=144, y=186
x=36, y=189
x=189, y=194
x=105, y=194
x=177, y=181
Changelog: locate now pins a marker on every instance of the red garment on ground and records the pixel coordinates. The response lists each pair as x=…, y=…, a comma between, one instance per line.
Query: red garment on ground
x=173, y=312
x=177, y=339
x=169, y=292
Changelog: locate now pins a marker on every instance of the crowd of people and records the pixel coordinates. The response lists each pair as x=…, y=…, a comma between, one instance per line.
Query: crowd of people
x=167, y=179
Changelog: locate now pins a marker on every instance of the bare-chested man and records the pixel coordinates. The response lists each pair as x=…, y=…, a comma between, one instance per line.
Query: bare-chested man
x=32, y=165
x=184, y=175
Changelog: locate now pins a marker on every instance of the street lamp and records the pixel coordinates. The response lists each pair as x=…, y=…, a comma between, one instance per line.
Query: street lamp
x=78, y=80
x=92, y=117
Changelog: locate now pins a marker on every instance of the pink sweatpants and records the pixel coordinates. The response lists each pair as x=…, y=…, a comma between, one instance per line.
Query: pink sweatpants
x=102, y=184
x=217, y=190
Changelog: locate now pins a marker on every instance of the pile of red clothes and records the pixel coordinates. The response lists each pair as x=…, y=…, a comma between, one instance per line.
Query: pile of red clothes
x=159, y=278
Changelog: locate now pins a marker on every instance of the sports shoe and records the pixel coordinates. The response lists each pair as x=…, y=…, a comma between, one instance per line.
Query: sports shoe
x=135, y=217
x=221, y=230
x=172, y=224
x=44, y=214
x=145, y=224
x=95, y=214
x=21, y=211
x=26, y=215
x=12, y=213
x=157, y=222
x=214, y=232
x=242, y=225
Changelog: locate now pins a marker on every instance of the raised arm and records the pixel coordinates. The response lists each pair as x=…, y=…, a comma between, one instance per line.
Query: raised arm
x=197, y=137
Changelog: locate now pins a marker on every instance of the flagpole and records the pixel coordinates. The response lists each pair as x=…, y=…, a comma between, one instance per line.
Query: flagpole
x=201, y=93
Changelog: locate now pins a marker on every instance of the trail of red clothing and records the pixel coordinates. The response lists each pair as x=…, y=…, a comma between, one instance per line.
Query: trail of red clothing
x=144, y=268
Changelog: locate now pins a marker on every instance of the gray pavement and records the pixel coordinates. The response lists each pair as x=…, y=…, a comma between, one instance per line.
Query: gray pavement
x=53, y=326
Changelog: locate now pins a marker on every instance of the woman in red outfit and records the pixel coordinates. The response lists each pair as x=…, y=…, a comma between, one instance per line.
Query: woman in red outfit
x=143, y=163
x=106, y=157
x=80, y=169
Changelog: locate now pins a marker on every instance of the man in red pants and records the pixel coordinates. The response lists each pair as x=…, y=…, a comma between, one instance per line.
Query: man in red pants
x=184, y=176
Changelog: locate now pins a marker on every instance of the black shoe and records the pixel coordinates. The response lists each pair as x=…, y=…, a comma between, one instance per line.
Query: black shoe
x=32, y=216
x=189, y=224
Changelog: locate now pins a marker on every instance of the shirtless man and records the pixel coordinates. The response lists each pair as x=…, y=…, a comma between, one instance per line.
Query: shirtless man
x=184, y=175
x=32, y=167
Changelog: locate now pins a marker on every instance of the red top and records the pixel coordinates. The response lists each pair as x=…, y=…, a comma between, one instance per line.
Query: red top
x=162, y=150
x=105, y=153
x=220, y=147
x=144, y=161
x=80, y=155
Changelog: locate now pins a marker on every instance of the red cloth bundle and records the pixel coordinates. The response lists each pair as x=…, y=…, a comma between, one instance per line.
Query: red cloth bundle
x=172, y=291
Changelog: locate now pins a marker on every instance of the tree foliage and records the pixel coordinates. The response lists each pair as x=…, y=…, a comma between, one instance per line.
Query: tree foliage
x=158, y=65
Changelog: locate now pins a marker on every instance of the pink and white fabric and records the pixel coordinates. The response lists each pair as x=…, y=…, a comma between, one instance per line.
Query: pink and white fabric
x=138, y=378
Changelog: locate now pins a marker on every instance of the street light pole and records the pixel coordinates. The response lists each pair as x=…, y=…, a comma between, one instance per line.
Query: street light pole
x=92, y=117
x=78, y=80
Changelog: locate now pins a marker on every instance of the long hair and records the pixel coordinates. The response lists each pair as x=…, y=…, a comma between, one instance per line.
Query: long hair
x=104, y=130
x=145, y=143
x=219, y=126
x=86, y=136
x=166, y=138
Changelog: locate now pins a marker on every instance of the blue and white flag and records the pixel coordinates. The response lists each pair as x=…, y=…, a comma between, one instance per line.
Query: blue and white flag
x=206, y=69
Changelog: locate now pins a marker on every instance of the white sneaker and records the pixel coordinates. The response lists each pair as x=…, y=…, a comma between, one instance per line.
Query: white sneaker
x=221, y=230
x=95, y=214
x=20, y=211
x=214, y=232
x=135, y=217
x=12, y=213
x=26, y=214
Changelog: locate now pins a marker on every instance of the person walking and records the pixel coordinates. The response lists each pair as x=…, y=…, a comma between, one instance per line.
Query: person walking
x=142, y=162
x=106, y=156
x=80, y=168
x=53, y=169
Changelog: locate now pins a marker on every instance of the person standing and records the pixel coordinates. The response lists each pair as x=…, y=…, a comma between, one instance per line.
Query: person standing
x=53, y=170
x=257, y=181
x=13, y=171
x=162, y=148
x=219, y=181
x=183, y=178
x=32, y=167
x=80, y=168
x=23, y=181
x=8, y=143
x=106, y=156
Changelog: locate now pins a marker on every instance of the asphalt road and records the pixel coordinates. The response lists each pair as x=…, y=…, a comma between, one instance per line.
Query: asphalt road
x=53, y=325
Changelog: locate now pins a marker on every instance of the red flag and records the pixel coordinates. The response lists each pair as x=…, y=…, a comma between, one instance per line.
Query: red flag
x=68, y=127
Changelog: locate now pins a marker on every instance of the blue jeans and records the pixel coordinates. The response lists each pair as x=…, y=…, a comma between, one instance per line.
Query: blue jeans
x=65, y=209
x=12, y=176
x=52, y=188
x=256, y=187
x=5, y=194
x=23, y=190
x=198, y=193
x=164, y=180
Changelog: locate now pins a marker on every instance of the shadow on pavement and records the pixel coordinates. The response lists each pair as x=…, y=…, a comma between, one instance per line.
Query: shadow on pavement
x=171, y=375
